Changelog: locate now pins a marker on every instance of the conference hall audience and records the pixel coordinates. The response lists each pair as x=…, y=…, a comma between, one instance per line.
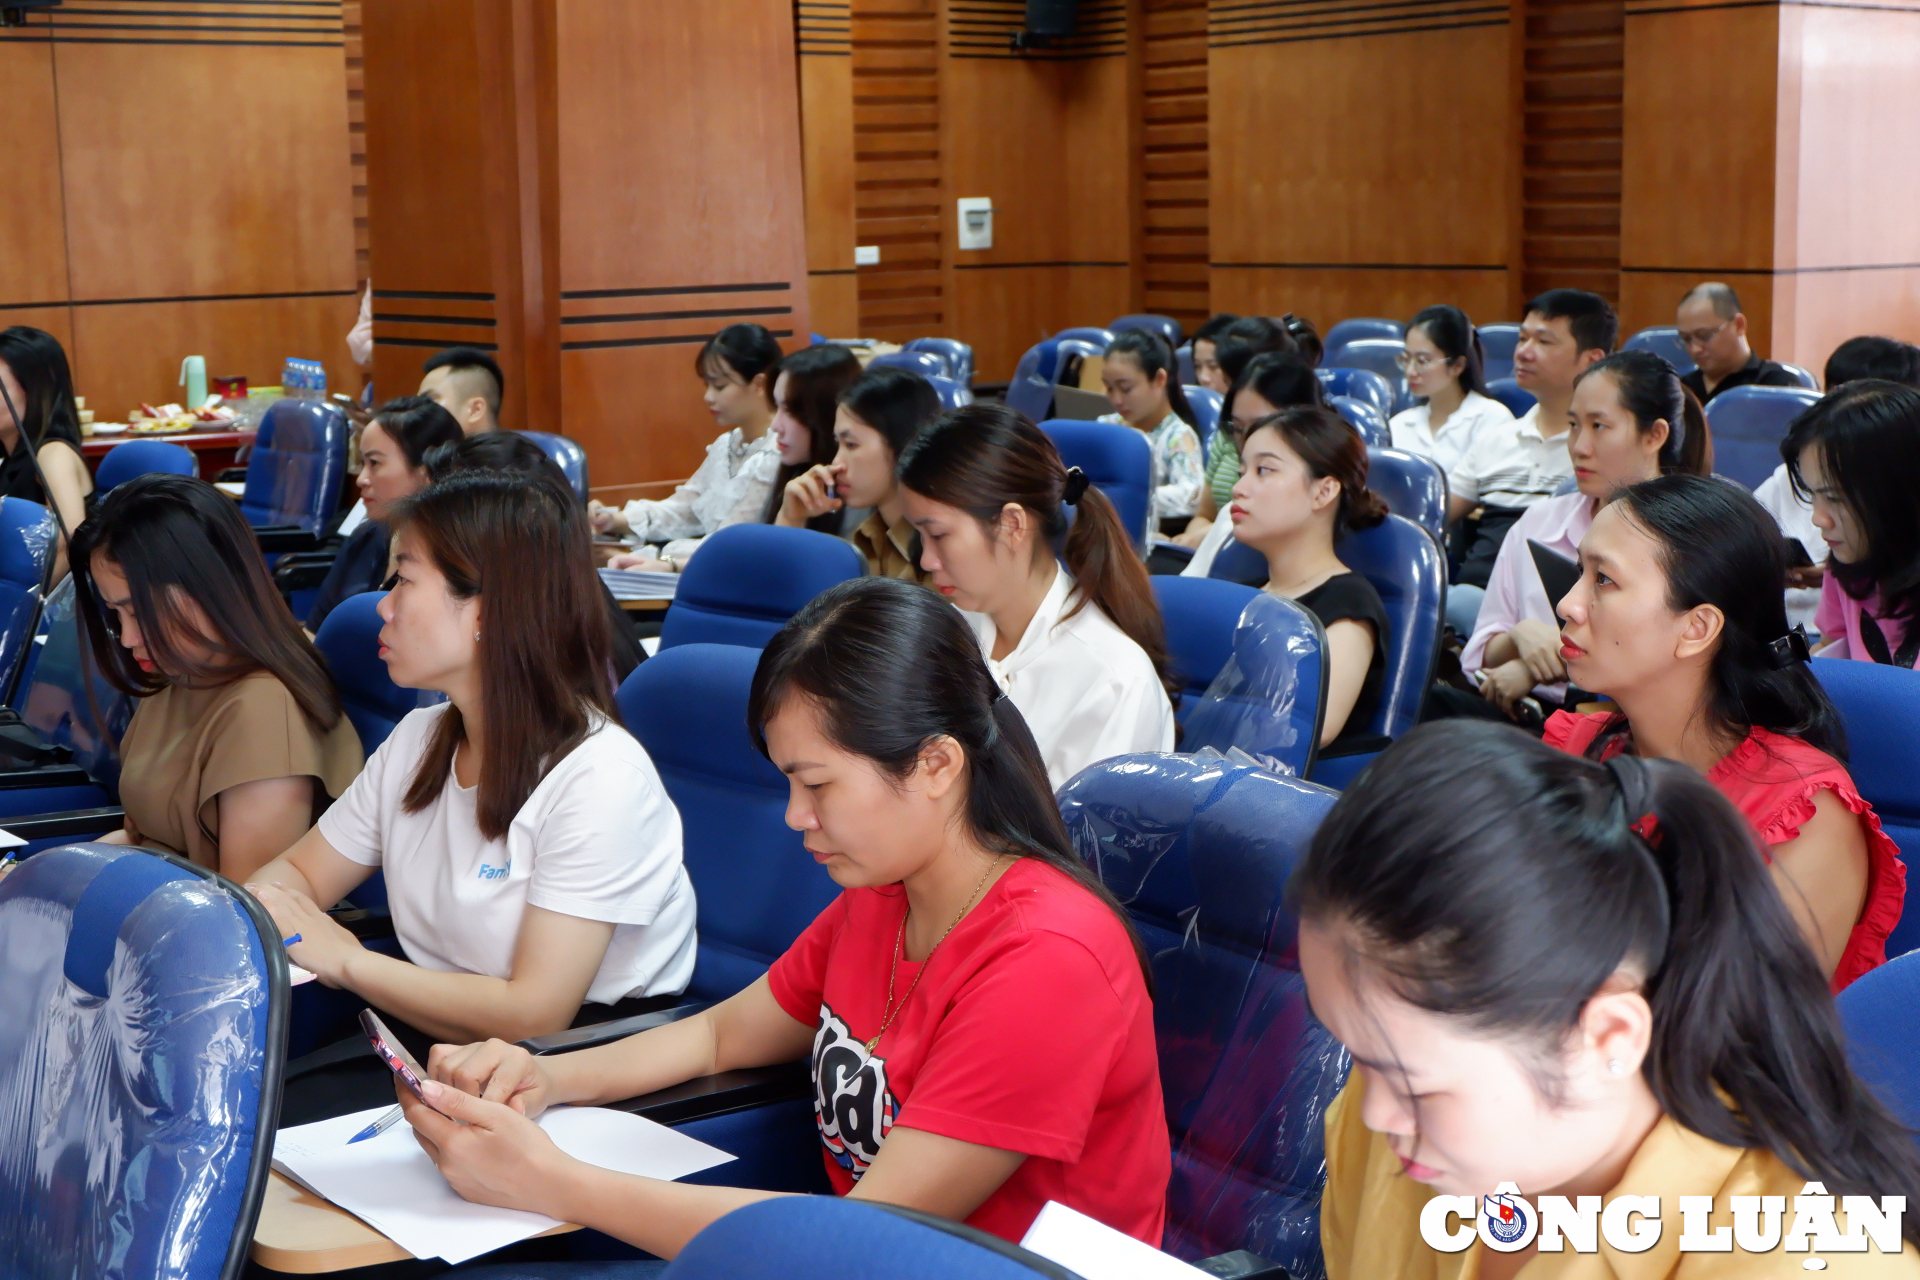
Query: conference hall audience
x=1576, y=978
x=877, y=418
x=1854, y=457
x=1205, y=346
x=532, y=858
x=1142, y=379
x=807, y=398
x=1713, y=330
x=1678, y=618
x=467, y=383
x=1305, y=488
x=1262, y=385
x=1242, y=341
x=1446, y=373
x=44, y=427
x=238, y=741
x=1509, y=468
x=738, y=365
x=1060, y=601
x=393, y=465
x=1632, y=420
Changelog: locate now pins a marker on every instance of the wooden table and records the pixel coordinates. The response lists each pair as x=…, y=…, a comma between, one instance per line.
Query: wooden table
x=214, y=450
x=645, y=606
x=302, y=1234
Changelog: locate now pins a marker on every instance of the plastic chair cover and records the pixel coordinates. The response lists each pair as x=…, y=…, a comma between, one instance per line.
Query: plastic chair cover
x=141, y=1043
x=294, y=472
x=1199, y=852
x=1269, y=697
x=957, y=354
x=1364, y=417
x=69, y=702
x=1205, y=403
x=953, y=395
x=567, y=455
x=26, y=541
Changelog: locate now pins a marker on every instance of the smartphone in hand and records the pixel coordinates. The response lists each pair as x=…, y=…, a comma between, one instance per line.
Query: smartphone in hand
x=393, y=1053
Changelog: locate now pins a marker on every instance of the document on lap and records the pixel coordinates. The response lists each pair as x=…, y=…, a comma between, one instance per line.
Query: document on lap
x=1096, y=1251
x=389, y=1183
x=633, y=584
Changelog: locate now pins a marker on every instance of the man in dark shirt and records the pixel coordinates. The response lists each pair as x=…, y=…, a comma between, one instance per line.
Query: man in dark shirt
x=1714, y=332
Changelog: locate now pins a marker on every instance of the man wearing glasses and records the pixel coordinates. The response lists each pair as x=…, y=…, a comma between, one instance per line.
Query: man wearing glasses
x=1714, y=333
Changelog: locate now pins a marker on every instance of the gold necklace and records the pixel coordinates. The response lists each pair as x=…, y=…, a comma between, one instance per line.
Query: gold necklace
x=899, y=947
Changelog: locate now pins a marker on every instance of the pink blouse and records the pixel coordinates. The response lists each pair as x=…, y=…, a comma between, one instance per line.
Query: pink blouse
x=1838, y=620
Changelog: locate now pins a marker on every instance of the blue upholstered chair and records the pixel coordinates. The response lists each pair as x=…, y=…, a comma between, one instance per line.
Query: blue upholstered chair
x=755, y=883
x=834, y=1238
x=132, y=458
x=1497, y=345
x=1099, y=337
x=953, y=395
x=144, y=1026
x=1359, y=384
x=925, y=363
x=1118, y=461
x=1363, y=417
x=567, y=455
x=294, y=473
x=1183, y=361
x=1411, y=485
x=350, y=642
x=1381, y=356
x=1164, y=326
x=26, y=544
x=1804, y=377
x=1663, y=341
x=1358, y=330
x=1748, y=424
x=1272, y=703
x=1880, y=707
x=748, y=579
x=957, y=355
x=1199, y=854
x=1040, y=370
x=1519, y=400
x=1205, y=403
x=1883, y=1036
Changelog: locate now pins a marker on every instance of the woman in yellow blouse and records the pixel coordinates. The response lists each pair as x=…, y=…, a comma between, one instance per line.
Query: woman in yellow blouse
x=1577, y=978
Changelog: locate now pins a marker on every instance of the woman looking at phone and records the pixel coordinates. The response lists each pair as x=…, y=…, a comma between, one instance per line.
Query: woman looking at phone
x=967, y=924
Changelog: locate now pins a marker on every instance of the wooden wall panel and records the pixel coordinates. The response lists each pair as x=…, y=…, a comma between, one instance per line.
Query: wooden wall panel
x=1571, y=94
x=354, y=44
x=1336, y=188
x=1172, y=264
x=187, y=190
x=823, y=32
x=900, y=196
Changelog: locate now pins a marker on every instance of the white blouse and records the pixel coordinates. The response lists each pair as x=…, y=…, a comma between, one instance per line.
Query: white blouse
x=1179, y=471
x=1413, y=430
x=730, y=487
x=1086, y=690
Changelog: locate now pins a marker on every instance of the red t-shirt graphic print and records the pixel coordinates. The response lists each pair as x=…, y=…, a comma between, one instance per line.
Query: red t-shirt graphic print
x=1030, y=1031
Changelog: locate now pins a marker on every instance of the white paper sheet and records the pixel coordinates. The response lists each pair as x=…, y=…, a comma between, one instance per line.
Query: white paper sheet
x=1097, y=1251
x=389, y=1183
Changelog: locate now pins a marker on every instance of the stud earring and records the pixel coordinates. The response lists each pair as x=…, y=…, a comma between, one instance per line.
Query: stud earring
x=1616, y=1067
x=476, y=637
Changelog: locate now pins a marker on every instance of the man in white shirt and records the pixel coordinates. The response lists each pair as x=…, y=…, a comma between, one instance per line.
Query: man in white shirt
x=1509, y=468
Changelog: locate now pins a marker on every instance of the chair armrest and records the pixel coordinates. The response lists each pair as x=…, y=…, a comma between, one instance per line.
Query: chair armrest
x=600, y=1033
x=302, y=570
x=722, y=1094
x=67, y=822
x=1243, y=1264
x=1358, y=744
x=275, y=538
x=230, y=474
x=1174, y=550
x=363, y=924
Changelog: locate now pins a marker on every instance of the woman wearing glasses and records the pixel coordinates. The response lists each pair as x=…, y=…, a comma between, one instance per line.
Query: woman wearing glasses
x=1444, y=372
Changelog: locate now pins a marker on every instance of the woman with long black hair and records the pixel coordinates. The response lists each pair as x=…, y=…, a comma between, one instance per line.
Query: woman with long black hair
x=1063, y=608
x=1578, y=979
x=1445, y=372
x=1678, y=617
x=806, y=396
x=967, y=926
x=34, y=374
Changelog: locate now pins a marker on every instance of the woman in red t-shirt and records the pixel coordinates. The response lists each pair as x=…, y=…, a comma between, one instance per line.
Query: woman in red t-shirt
x=976, y=1006
x=1679, y=618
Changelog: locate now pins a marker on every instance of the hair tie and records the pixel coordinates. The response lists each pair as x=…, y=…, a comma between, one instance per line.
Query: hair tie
x=1076, y=486
x=1790, y=648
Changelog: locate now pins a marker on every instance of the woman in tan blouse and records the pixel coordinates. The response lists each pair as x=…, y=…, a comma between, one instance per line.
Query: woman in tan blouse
x=239, y=741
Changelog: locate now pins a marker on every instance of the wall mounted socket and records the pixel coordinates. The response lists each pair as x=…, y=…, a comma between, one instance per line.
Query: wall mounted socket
x=866, y=255
x=976, y=222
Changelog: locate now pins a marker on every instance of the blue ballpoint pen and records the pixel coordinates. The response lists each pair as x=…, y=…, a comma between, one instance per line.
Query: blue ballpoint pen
x=378, y=1127
x=290, y=941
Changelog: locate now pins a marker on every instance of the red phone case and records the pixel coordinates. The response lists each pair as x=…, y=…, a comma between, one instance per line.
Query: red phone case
x=392, y=1052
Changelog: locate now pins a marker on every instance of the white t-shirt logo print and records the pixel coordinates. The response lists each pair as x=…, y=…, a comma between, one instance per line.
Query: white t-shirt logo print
x=490, y=872
x=851, y=1102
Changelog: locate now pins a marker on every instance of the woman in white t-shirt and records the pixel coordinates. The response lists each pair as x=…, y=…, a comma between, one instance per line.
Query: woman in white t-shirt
x=739, y=366
x=1444, y=368
x=1059, y=599
x=532, y=858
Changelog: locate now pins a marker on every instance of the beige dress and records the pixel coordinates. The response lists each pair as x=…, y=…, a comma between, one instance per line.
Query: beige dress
x=187, y=745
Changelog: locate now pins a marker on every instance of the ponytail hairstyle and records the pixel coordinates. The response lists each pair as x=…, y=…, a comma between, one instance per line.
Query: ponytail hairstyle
x=1252, y=336
x=1484, y=876
x=1868, y=434
x=546, y=644
x=816, y=378
x=1719, y=546
x=1280, y=378
x=1449, y=329
x=1652, y=392
x=1330, y=448
x=892, y=668
x=982, y=456
x=745, y=350
x=1151, y=352
x=897, y=403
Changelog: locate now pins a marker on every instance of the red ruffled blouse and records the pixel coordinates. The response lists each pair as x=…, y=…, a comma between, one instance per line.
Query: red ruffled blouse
x=1772, y=779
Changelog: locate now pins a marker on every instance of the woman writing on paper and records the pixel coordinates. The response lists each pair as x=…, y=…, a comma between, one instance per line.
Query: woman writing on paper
x=967, y=924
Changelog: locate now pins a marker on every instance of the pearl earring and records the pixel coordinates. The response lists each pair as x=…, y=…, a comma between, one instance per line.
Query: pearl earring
x=476, y=637
x=1615, y=1066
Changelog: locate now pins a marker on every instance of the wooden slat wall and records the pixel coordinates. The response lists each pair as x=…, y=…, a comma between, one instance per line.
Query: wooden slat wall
x=1572, y=85
x=899, y=195
x=356, y=127
x=824, y=36
x=1173, y=160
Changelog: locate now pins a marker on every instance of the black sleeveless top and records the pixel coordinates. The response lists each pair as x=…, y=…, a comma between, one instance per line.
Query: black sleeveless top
x=17, y=476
